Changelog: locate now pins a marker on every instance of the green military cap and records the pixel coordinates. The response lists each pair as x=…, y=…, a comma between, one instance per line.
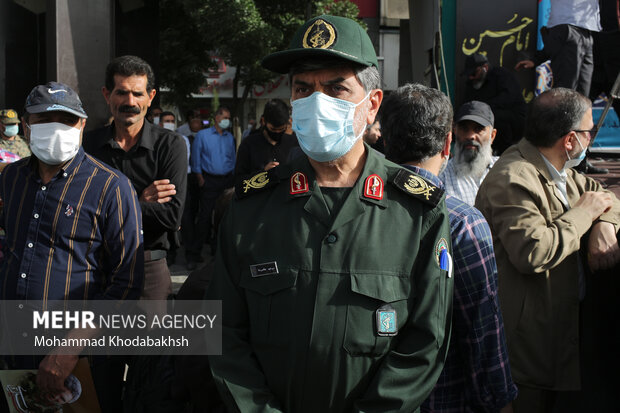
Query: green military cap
x=325, y=36
x=8, y=116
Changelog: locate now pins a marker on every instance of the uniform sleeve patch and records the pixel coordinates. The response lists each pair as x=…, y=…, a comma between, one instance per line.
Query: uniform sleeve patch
x=418, y=187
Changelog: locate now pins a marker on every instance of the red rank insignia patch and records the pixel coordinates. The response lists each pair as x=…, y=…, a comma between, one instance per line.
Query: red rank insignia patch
x=299, y=183
x=373, y=187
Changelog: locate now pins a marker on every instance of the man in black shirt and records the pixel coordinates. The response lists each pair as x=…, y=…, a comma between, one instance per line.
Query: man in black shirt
x=268, y=146
x=153, y=158
x=498, y=88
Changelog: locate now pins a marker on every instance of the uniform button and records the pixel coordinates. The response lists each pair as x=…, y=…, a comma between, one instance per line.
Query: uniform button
x=30, y=245
x=43, y=188
x=23, y=275
x=64, y=174
x=36, y=216
x=331, y=238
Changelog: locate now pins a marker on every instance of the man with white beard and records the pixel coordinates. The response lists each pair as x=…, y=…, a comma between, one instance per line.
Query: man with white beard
x=473, y=156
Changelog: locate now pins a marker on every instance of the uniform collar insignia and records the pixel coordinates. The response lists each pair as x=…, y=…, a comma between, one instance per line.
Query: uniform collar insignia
x=373, y=187
x=298, y=184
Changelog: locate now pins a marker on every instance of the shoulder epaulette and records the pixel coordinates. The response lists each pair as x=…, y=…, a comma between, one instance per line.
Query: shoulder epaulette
x=418, y=187
x=253, y=184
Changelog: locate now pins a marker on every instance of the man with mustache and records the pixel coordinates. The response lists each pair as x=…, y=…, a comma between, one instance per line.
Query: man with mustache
x=334, y=269
x=473, y=155
x=154, y=159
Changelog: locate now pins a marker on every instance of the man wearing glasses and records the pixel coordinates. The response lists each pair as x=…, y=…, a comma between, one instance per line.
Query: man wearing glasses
x=555, y=237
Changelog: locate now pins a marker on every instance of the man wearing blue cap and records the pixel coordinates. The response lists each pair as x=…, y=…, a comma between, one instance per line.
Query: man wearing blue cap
x=334, y=270
x=73, y=224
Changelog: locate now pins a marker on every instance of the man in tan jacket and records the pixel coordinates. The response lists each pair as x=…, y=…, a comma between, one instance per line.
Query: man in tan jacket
x=541, y=212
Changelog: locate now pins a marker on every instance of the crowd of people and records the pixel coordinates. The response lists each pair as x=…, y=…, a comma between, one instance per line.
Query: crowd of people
x=372, y=253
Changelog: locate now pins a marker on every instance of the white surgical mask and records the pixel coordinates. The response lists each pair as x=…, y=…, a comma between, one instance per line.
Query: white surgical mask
x=325, y=126
x=169, y=126
x=224, y=123
x=155, y=120
x=54, y=143
x=571, y=163
x=11, y=130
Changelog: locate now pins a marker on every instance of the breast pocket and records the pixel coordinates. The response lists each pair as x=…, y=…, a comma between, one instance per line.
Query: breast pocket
x=270, y=298
x=369, y=293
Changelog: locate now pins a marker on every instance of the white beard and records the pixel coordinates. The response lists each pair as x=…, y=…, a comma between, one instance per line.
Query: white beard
x=477, y=164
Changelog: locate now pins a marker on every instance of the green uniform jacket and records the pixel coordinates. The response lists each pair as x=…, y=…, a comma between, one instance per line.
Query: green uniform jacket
x=18, y=146
x=305, y=339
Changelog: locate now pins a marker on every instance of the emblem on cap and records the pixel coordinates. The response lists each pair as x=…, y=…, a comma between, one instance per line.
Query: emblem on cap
x=11, y=113
x=299, y=183
x=386, y=321
x=373, y=187
x=320, y=35
x=256, y=182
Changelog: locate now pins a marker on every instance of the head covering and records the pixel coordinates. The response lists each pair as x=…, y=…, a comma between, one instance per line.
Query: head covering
x=325, y=36
x=472, y=62
x=54, y=96
x=8, y=117
x=479, y=112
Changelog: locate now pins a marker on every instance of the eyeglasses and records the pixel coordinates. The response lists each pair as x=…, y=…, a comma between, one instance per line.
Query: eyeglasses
x=592, y=132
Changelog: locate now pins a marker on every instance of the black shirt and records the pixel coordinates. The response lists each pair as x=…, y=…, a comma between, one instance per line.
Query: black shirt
x=255, y=152
x=158, y=154
x=501, y=90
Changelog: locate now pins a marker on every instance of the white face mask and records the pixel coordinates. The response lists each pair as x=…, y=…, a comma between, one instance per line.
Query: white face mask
x=156, y=120
x=54, y=143
x=325, y=126
x=573, y=162
x=169, y=125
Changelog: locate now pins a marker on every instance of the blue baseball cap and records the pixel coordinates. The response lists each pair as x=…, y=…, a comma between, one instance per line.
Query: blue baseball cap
x=54, y=96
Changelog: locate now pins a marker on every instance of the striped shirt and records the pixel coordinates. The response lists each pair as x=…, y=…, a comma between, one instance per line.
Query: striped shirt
x=476, y=376
x=464, y=187
x=77, y=237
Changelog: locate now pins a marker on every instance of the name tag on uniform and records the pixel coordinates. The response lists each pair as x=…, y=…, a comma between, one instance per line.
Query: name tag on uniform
x=260, y=270
x=386, y=321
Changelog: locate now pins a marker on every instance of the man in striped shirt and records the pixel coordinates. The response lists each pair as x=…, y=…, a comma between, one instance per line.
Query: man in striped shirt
x=73, y=224
x=473, y=155
x=476, y=376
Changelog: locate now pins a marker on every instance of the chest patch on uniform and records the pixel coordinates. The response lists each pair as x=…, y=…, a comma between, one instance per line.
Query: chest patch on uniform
x=373, y=187
x=267, y=268
x=386, y=321
x=418, y=187
x=299, y=184
x=441, y=250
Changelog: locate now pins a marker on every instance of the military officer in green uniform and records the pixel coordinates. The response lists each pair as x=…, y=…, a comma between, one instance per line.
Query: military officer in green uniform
x=334, y=270
x=9, y=129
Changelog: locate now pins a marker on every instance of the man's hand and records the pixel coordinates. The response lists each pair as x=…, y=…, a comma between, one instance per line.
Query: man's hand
x=271, y=164
x=53, y=371
x=159, y=191
x=524, y=64
x=603, y=249
x=596, y=203
x=200, y=179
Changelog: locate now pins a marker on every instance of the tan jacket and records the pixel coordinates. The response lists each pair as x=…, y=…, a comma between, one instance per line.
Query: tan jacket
x=537, y=245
